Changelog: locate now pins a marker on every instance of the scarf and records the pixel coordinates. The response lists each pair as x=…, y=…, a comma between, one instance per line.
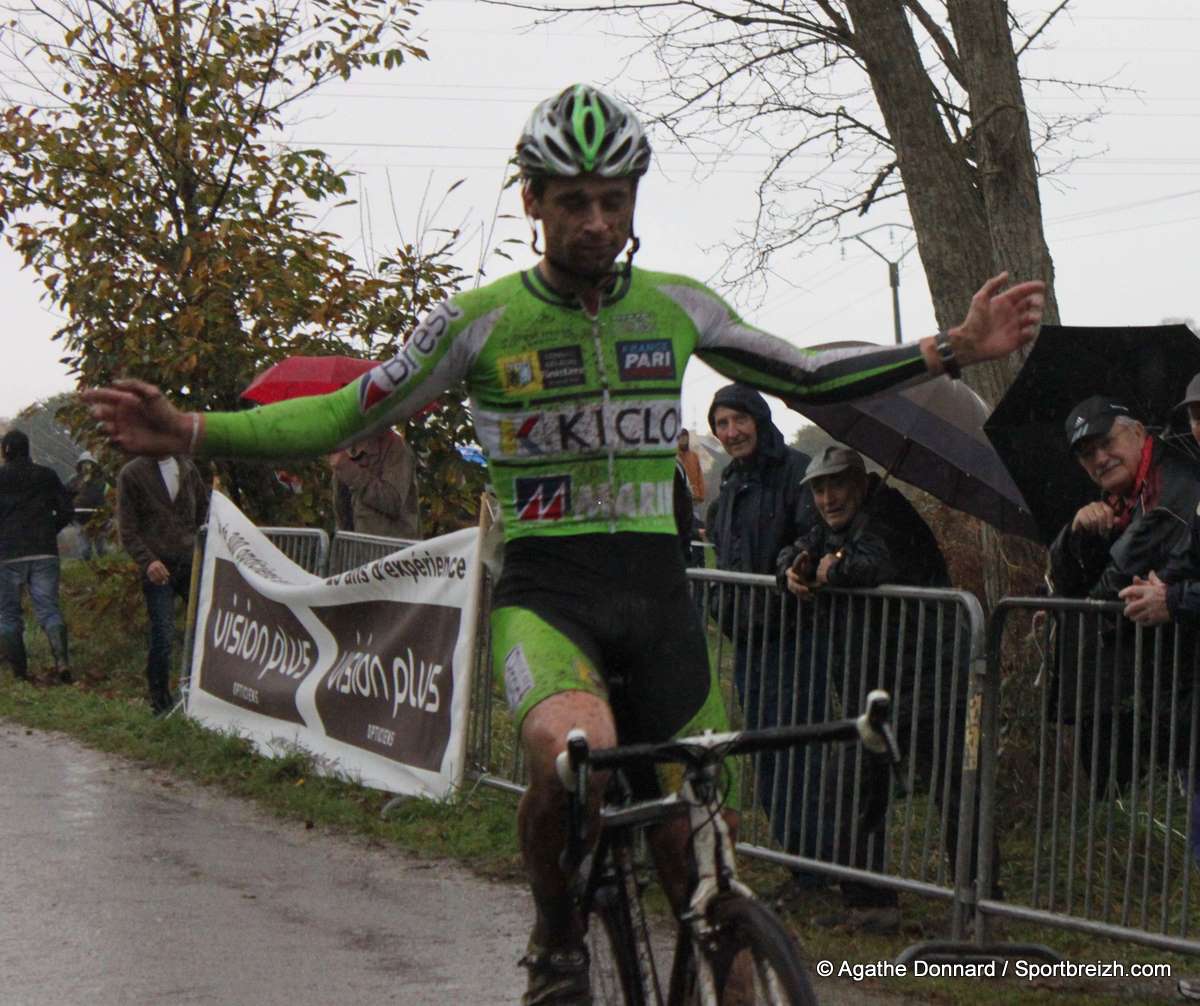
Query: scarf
x=1147, y=486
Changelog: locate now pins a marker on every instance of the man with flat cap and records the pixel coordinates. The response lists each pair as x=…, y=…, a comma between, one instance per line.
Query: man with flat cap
x=869, y=534
x=1132, y=544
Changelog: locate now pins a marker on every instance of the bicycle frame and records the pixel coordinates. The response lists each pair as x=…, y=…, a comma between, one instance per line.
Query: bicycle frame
x=711, y=852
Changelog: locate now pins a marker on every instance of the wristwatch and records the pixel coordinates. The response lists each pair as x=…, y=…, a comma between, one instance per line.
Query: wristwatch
x=945, y=352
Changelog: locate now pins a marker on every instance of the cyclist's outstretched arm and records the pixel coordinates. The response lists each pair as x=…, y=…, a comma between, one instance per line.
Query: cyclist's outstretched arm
x=998, y=322
x=140, y=420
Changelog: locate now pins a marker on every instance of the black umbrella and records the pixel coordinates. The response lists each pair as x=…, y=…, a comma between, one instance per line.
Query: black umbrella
x=931, y=436
x=1147, y=368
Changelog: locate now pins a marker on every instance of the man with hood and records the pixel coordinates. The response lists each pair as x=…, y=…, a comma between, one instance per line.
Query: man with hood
x=34, y=507
x=761, y=508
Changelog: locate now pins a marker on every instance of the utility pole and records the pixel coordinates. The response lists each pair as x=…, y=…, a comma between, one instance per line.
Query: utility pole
x=893, y=268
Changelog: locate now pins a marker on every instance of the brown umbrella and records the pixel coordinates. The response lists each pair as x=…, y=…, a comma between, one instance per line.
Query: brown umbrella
x=931, y=436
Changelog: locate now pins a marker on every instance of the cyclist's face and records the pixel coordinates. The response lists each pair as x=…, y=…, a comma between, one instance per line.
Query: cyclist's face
x=1111, y=459
x=736, y=431
x=586, y=221
x=839, y=497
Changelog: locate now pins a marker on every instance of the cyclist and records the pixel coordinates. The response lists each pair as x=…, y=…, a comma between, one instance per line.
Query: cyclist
x=574, y=369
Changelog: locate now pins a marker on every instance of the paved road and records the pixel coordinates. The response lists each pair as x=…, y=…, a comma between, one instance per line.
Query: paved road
x=119, y=885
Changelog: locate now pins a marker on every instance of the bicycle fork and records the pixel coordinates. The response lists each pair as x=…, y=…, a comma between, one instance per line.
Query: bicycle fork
x=713, y=855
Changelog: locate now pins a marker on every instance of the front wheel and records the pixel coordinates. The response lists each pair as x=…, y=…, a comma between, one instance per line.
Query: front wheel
x=755, y=959
x=622, y=968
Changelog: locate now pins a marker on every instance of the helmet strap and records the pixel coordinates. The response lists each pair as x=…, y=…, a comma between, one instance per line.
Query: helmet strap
x=634, y=245
x=533, y=238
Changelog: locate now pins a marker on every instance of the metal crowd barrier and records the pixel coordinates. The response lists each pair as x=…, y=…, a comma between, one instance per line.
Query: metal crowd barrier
x=919, y=644
x=351, y=549
x=1060, y=797
x=782, y=661
x=1092, y=798
x=307, y=547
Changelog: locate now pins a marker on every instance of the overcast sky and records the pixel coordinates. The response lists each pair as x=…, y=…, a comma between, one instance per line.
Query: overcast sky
x=1120, y=223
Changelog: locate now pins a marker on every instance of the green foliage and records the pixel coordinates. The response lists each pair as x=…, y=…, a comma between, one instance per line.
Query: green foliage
x=148, y=192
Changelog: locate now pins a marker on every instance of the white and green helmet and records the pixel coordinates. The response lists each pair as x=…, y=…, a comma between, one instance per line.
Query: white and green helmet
x=583, y=131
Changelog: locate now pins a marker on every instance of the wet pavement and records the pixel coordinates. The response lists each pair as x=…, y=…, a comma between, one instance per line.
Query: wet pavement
x=120, y=885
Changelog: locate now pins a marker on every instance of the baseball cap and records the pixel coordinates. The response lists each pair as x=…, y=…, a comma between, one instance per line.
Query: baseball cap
x=832, y=460
x=1192, y=394
x=1093, y=417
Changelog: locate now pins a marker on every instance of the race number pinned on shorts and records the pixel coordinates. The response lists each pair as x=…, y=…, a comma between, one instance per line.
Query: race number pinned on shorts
x=518, y=678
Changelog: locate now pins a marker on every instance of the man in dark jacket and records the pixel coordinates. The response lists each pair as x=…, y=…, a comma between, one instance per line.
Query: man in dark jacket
x=869, y=534
x=34, y=507
x=1132, y=544
x=161, y=503
x=760, y=508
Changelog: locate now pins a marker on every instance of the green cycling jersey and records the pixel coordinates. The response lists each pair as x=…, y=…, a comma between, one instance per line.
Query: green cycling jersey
x=577, y=412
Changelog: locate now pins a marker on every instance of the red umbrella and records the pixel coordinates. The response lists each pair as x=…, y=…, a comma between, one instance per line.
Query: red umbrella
x=305, y=375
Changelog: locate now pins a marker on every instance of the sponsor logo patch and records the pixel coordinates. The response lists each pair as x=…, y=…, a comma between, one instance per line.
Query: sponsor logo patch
x=547, y=498
x=646, y=360
x=562, y=366
x=520, y=374
x=518, y=678
x=379, y=382
x=626, y=425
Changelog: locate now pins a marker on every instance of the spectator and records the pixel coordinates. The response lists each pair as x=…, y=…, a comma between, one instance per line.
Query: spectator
x=868, y=534
x=685, y=519
x=161, y=503
x=88, y=487
x=375, y=487
x=687, y=462
x=691, y=466
x=1136, y=536
x=1150, y=600
x=761, y=507
x=34, y=507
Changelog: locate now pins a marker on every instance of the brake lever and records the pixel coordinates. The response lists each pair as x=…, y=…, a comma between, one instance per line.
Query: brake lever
x=895, y=758
x=572, y=769
x=877, y=734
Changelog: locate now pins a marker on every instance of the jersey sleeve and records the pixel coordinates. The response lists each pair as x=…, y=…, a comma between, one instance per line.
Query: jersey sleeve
x=436, y=356
x=751, y=356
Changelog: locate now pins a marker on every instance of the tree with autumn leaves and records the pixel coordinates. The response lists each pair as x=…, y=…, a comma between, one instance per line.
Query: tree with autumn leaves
x=146, y=185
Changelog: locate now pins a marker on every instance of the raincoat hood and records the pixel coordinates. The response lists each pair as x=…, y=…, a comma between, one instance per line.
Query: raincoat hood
x=742, y=398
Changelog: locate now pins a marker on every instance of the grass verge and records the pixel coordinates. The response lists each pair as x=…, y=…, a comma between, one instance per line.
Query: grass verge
x=476, y=827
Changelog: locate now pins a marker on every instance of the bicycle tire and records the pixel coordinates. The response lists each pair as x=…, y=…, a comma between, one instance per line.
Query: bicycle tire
x=751, y=940
x=612, y=945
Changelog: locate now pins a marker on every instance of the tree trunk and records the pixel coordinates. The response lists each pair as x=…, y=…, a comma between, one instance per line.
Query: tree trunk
x=948, y=213
x=1008, y=182
x=1007, y=171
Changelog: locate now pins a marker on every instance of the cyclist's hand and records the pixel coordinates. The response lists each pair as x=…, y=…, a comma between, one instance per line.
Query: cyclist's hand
x=998, y=320
x=139, y=419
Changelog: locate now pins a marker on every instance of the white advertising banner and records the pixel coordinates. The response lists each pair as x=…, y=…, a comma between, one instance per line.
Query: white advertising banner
x=369, y=670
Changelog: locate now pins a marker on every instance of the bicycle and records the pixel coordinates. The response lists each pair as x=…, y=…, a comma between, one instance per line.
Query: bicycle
x=724, y=929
